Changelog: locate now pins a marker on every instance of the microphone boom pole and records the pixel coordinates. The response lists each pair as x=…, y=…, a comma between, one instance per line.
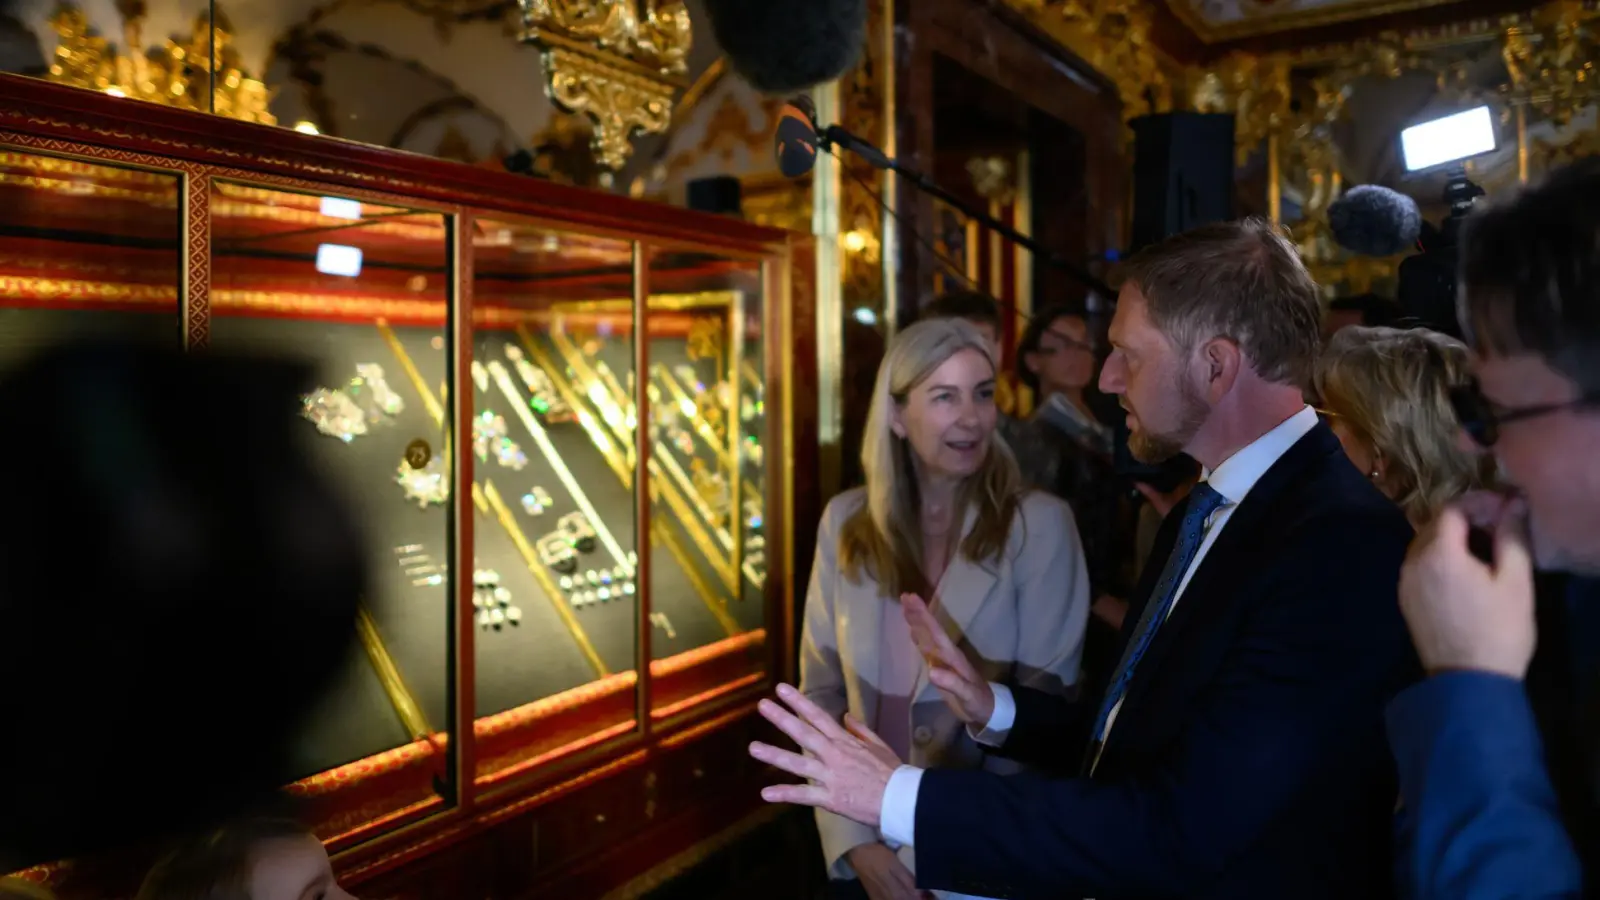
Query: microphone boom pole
x=834, y=136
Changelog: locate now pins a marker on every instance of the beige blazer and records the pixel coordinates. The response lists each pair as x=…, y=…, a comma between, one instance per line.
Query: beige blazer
x=1019, y=618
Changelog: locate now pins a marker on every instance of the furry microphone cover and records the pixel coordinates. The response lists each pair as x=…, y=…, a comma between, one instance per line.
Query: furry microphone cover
x=785, y=46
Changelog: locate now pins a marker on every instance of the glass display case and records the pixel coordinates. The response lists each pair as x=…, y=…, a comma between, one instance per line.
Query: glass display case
x=560, y=416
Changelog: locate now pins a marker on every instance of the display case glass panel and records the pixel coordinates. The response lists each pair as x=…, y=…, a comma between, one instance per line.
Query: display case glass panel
x=705, y=391
x=364, y=292
x=556, y=531
x=89, y=249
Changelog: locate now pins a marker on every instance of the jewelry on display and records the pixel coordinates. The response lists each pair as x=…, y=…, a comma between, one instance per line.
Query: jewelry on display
x=556, y=552
x=407, y=548
x=419, y=566
x=514, y=615
x=386, y=399
x=604, y=594
x=545, y=401
x=427, y=485
x=628, y=588
x=536, y=501
x=660, y=620
x=578, y=531
x=497, y=618
x=566, y=583
x=334, y=414
x=490, y=433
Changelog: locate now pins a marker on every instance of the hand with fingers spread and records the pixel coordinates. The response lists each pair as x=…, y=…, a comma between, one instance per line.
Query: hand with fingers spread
x=1465, y=614
x=966, y=692
x=882, y=873
x=848, y=769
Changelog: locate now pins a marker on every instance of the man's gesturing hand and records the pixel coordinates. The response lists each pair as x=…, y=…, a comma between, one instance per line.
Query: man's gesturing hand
x=1465, y=614
x=848, y=773
x=964, y=690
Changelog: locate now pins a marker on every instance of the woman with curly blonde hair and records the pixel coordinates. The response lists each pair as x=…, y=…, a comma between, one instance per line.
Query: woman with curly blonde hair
x=1386, y=394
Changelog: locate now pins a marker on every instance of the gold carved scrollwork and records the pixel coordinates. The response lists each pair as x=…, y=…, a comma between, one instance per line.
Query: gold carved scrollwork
x=1551, y=61
x=1113, y=36
x=176, y=74
x=1255, y=89
x=616, y=61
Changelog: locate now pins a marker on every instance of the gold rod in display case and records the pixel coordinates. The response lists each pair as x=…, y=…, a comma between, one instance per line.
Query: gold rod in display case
x=655, y=484
x=513, y=530
x=645, y=607
x=735, y=422
x=719, y=609
x=405, y=704
x=691, y=411
x=570, y=395
x=659, y=484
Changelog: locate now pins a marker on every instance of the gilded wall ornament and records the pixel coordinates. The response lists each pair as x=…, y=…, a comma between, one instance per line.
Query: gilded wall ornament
x=617, y=61
x=175, y=74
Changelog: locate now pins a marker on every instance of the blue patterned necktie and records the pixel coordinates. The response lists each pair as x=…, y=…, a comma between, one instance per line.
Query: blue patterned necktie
x=1203, y=501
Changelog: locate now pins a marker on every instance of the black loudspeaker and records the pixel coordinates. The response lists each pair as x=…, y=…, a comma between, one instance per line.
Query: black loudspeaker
x=721, y=194
x=1182, y=173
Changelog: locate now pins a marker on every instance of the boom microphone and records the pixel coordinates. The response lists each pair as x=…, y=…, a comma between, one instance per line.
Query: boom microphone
x=1370, y=220
x=785, y=46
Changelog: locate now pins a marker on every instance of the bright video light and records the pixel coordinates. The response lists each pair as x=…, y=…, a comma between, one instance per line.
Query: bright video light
x=337, y=259
x=1448, y=140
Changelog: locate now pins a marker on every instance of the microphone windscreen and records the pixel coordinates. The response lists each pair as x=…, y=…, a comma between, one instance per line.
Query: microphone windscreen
x=795, y=141
x=1372, y=220
x=782, y=46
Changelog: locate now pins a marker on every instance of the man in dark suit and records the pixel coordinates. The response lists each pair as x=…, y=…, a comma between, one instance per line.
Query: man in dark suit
x=1239, y=750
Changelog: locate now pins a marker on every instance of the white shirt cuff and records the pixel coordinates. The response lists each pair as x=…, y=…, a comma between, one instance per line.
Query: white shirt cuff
x=897, y=816
x=993, y=733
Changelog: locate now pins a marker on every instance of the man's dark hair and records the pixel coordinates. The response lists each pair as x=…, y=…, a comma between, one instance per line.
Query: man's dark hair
x=1034, y=334
x=1529, y=276
x=973, y=306
x=1376, y=311
x=1239, y=280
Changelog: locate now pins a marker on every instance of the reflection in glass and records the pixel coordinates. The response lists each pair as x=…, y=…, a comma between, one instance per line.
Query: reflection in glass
x=88, y=249
x=374, y=321
x=555, y=525
x=706, y=413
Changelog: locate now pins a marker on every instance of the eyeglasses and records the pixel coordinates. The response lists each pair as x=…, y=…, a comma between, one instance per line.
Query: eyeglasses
x=1479, y=418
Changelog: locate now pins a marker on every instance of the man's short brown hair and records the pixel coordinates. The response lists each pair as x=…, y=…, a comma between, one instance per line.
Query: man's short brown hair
x=1239, y=280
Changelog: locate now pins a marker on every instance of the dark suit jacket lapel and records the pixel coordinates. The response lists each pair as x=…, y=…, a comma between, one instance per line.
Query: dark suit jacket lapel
x=1224, y=562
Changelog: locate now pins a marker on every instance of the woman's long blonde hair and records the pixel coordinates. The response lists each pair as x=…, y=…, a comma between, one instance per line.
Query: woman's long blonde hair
x=1391, y=387
x=883, y=540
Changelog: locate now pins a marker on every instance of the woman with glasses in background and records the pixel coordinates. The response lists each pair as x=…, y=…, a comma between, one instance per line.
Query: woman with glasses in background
x=1390, y=396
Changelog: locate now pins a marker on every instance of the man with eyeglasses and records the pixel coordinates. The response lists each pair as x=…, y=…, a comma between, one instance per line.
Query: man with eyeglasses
x=1499, y=789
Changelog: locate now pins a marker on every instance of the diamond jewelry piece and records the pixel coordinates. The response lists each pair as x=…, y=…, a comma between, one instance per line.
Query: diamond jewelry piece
x=502, y=596
x=604, y=594
x=497, y=617
x=592, y=577
x=386, y=398
x=513, y=615
x=483, y=618
x=556, y=552
x=334, y=414
x=427, y=485
x=628, y=588
x=566, y=583
x=578, y=531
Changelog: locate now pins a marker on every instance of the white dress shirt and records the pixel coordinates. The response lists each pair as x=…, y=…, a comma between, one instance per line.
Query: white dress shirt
x=1233, y=479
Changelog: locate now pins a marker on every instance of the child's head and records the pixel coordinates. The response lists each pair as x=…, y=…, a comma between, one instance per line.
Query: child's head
x=252, y=859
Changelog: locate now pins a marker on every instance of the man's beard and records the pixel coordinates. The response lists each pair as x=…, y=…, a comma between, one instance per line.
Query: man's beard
x=1152, y=447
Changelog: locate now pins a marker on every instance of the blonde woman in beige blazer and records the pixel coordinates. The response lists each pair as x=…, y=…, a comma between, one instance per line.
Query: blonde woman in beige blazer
x=943, y=513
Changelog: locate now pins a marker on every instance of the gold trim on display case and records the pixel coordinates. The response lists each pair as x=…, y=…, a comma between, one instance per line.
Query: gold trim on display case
x=404, y=702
